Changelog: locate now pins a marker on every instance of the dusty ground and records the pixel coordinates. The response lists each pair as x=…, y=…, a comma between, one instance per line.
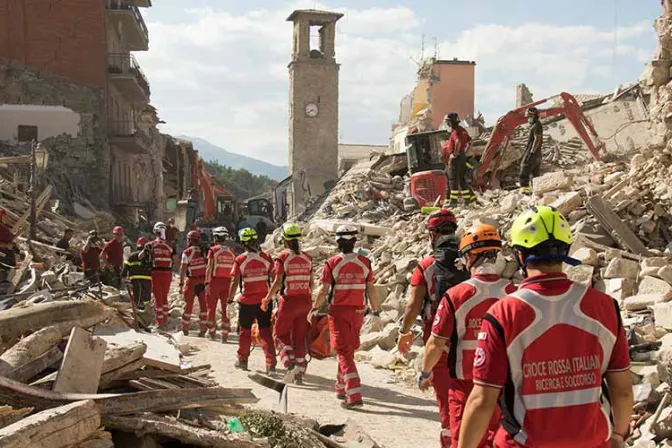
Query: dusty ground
x=395, y=415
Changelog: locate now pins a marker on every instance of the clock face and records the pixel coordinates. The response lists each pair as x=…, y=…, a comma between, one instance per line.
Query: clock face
x=312, y=109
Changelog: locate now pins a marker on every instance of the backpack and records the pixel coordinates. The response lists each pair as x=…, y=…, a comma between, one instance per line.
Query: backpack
x=446, y=274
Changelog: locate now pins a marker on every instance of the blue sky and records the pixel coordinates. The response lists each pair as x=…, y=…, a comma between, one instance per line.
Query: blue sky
x=217, y=68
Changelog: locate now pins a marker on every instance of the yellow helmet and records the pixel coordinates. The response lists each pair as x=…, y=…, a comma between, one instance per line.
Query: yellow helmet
x=291, y=231
x=247, y=234
x=539, y=225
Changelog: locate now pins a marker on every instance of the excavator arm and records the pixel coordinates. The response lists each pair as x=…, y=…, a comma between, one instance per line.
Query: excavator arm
x=501, y=136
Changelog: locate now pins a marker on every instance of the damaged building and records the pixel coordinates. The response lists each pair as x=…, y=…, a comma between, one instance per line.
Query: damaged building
x=92, y=82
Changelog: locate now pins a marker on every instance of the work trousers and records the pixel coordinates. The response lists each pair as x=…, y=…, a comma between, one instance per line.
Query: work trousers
x=247, y=314
x=530, y=167
x=142, y=291
x=112, y=277
x=458, y=393
x=194, y=286
x=457, y=179
x=441, y=383
x=92, y=275
x=161, y=287
x=291, y=328
x=345, y=323
x=218, y=292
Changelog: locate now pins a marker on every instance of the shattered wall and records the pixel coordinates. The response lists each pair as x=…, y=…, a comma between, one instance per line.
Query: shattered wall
x=523, y=95
x=78, y=165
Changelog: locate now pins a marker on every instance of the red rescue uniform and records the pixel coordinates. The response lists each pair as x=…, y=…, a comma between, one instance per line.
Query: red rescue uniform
x=222, y=258
x=548, y=346
x=114, y=254
x=348, y=275
x=423, y=275
x=254, y=270
x=456, y=144
x=195, y=262
x=291, y=326
x=162, y=276
x=458, y=321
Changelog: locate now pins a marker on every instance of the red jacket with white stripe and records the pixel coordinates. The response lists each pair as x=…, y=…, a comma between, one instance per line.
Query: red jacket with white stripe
x=162, y=255
x=548, y=346
x=348, y=275
x=459, y=316
x=254, y=270
x=195, y=262
x=223, y=258
x=296, y=271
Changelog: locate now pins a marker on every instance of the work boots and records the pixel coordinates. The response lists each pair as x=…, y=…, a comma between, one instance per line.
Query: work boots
x=212, y=334
x=241, y=365
x=270, y=370
x=201, y=334
x=298, y=379
x=185, y=332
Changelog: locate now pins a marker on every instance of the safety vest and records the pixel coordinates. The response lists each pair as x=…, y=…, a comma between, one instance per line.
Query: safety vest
x=557, y=359
x=428, y=266
x=298, y=271
x=470, y=300
x=222, y=258
x=162, y=255
x=196, y=263
x=349, y=273
x=255, y=269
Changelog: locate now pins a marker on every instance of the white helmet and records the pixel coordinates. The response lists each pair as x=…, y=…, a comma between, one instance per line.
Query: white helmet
x=220, y=232
x=346, y=232
x=159, y=227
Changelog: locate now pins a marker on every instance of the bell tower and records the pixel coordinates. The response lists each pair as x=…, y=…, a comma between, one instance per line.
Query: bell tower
x=313, y=106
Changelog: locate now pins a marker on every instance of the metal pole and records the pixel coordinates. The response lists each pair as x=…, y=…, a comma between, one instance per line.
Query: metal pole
x=33, y=197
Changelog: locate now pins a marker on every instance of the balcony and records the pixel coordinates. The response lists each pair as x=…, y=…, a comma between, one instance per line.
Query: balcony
x=136, y=35
x=127, y=136
x=126, y=74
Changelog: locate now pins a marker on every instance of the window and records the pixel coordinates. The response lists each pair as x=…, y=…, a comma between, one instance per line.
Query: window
x=27, y=133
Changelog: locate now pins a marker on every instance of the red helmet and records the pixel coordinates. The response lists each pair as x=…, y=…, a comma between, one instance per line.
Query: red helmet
x=442, y=221
x=194, y=236
x=118, y=231
x=142, y=242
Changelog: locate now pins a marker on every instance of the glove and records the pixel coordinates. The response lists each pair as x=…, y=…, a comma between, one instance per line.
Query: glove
x=404, y=342
x=264, y=305
x=424, y=380
x=311, y=315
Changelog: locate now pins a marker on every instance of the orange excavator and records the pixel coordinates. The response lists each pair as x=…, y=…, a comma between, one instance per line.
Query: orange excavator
x=501, y=135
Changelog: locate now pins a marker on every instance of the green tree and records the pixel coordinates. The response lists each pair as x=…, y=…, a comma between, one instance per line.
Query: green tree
x=241, y=182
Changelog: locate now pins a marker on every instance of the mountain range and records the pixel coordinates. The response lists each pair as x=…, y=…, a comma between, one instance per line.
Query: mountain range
x=214, y=153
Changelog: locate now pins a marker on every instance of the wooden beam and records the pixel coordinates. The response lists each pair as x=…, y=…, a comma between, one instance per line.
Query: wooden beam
x=28, y=349
x=25, y=264
x=166, y=428
x=82, y=363
x=108, y=378
x=117, y=357
x=54, y=428
x=18, y=394
x=43, y=246
x=16, y=321
x=37, y=365
x=40, y=202
x=617, y=229
x=9, y=415
x=160, y=352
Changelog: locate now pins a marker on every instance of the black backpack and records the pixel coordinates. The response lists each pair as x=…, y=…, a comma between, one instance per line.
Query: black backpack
x=446, y=274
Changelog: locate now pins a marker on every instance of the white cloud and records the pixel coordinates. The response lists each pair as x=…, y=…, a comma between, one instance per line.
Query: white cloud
x=223, y=77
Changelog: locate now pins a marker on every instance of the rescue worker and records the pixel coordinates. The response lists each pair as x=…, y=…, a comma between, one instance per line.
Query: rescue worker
x=555, y=351
x=138, y=269
x=163, y=258
x=458, y=321
x=90, y=255
x=64, y=243
x=426, y=294
x=113, y=257
x=193, y=267
x=294, y=280
x=530, y=166
x=454, y=155
x=251, y=272
x=347, y=280
x=218, y=280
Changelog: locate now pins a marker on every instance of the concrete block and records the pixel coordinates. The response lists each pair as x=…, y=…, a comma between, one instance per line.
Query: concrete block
x=587, y=256
x=580, y=274
x=558, y=180
x=622, y=268
x=665, y=273
x=662, y=315
x=618, y=288
x=568, y=202
x=651, y=266
x=509, y=203
x=643, y=301
x=652, y=285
